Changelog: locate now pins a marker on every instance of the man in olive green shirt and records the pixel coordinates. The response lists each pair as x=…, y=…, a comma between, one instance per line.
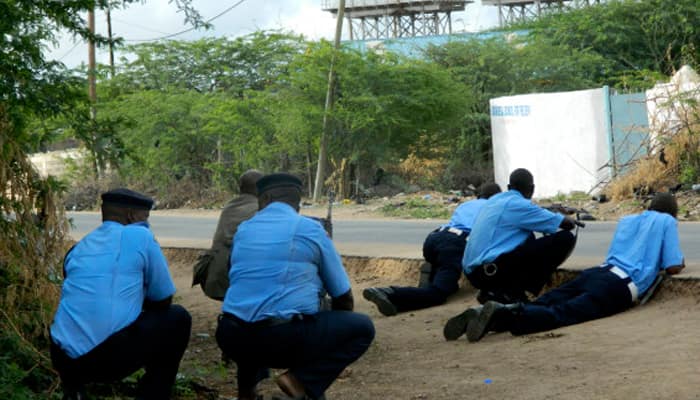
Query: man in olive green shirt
x=211, y=269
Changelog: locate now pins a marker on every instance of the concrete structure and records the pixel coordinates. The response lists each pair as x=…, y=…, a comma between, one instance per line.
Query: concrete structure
x=570, y=141
x=383, y=19
x=54, y=163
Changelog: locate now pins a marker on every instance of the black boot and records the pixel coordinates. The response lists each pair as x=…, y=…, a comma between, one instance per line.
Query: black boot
x=380, y=297
x=457, y=325
x=426, y=274
x=493, y=317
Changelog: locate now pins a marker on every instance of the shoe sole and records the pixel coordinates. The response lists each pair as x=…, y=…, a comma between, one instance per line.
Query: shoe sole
x=383, y=304
x=478, y=327
x=457, y=325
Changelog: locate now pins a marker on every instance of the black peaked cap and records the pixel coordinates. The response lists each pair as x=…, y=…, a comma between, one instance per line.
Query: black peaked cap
x=276, y=180
x=127, y=198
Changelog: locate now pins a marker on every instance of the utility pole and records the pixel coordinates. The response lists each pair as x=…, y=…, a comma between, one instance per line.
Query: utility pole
x=323, y=146
x=92, y=89
x=111, y=45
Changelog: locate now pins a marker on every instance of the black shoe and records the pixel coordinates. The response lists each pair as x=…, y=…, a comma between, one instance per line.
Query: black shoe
x=379, y=297
x=426, y=270
x=457, y=325
x=482, y=324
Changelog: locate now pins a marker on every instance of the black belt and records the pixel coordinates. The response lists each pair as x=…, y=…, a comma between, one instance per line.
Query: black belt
x=263, y=323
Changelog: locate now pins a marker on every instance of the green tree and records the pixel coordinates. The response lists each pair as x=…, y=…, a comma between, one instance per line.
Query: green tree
x=641, y=39
x=504, y=66
x=234, y=66
x=387, y=107
x=32, y=223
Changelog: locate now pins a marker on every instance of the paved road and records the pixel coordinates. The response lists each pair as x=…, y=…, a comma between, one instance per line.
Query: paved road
x=390, y=238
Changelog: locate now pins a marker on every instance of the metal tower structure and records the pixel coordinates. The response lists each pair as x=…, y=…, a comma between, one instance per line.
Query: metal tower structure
x=384, y=19
x=512, y=11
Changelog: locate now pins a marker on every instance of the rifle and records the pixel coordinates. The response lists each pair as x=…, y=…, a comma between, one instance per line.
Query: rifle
x=327, y=222
x=652, y=289
x=558, y=208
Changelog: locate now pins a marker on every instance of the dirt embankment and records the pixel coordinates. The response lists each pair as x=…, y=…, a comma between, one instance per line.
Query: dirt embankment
x=650, y=352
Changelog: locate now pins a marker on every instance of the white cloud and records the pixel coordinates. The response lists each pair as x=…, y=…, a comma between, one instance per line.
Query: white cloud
x=155, y=18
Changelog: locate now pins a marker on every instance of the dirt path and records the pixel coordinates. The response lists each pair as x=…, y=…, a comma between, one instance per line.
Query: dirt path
x=652, y=352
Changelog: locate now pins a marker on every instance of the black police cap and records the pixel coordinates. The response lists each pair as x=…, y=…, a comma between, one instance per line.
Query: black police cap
x=277, y=180
x=127, y=199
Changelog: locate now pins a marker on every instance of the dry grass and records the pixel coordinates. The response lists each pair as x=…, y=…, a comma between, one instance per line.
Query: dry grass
x=675, y=158
x=419, y=171
x=32, y=230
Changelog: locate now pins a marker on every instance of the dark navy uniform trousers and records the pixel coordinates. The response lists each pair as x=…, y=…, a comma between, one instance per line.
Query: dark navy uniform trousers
x=595, y=293
x=156, y=341
x=443, y=250
x=315, y=348
x=528, y=267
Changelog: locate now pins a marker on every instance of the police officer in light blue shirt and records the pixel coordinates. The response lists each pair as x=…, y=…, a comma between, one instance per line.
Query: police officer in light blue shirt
x=643, y=246
x=503, y=257
x=443, y=249
x=281, y=266
x=115, y=314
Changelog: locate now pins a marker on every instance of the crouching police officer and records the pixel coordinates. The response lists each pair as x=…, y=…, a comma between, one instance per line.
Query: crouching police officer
x=281, y=266
x=503, y=258
x=115, y=314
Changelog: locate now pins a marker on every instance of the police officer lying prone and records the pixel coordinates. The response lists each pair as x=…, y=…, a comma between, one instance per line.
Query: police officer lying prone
x=643, y=246
x=443, y=250
x=282, y=264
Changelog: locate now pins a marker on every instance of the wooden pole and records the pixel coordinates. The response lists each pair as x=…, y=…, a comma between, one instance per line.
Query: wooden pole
x=323, y=146
x=92, y=89
x=111, y=45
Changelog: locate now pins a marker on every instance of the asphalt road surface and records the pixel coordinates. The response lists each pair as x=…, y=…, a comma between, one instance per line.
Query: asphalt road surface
x=385, y=238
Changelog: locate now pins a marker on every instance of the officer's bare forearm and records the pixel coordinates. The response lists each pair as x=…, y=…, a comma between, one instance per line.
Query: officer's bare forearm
x=343, y=302
x=149, y=305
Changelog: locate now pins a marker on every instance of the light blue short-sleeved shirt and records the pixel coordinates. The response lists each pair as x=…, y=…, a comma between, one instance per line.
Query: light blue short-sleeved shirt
x=643, y=245
x=464, y=215
x=505, y=222
x=109, y=273
x=280, y=266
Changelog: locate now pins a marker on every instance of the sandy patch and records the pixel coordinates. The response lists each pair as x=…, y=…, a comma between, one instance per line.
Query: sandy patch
x=650, y=352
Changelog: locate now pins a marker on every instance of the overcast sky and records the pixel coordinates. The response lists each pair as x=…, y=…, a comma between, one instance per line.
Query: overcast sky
x=157, y=18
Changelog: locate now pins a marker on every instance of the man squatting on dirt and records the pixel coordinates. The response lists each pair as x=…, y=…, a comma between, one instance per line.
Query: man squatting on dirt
x=115, y=314
x=211, y=269
x=282, y=263
x=643, y=245
x=503, y=258
x=443, y=249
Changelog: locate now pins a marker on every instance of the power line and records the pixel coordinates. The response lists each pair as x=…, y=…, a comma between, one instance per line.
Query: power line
x=138, y=26
x=190, y=29
x=78, y=43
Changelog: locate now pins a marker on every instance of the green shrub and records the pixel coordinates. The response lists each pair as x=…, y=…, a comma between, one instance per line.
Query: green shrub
x=416, y=207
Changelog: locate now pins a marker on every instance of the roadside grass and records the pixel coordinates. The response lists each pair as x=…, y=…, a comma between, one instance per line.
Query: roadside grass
x=416, y=207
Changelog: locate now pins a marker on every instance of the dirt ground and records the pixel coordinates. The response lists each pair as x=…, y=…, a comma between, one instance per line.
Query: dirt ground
x=651, y=352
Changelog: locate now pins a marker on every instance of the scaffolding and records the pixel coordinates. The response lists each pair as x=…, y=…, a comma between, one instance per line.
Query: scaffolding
x=513, y=11
x=384, y=19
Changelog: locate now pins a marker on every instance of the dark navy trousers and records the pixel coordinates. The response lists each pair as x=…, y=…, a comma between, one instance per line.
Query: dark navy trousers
x=528, y=267
x=156, y=341
x=595, y=293
x=444, y=251
x=316, y=349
